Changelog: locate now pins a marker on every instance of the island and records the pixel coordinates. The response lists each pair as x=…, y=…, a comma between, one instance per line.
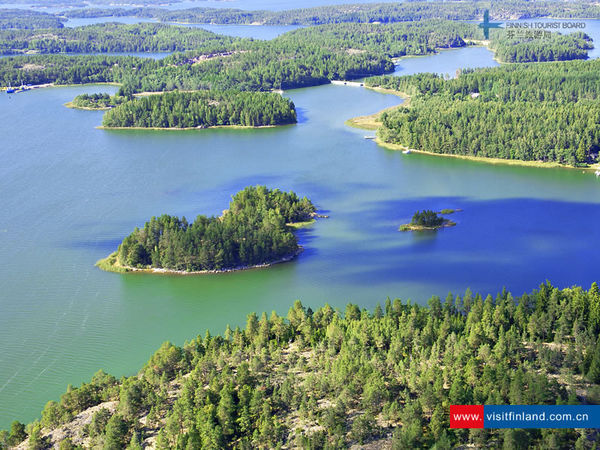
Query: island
x=428, y=220
x=256, y=231
x=96, y=102
x=202, y=109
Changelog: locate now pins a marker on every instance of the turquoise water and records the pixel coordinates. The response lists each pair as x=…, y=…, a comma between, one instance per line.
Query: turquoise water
x=71, y=192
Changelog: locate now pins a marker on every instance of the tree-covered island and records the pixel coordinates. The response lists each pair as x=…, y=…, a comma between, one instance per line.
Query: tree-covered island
x=428, y=220
x=255, y=231
x=202, y=109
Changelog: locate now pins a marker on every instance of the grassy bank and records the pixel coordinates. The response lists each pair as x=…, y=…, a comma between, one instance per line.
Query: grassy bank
x=372, y=121
x=110, y=264
x=297, y=225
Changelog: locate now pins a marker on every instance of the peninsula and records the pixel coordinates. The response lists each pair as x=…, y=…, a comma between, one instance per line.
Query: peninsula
x=256, y=231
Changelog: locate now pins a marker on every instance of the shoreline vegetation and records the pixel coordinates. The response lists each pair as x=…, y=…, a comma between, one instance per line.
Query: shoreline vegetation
x=343, y=378
x=487, y=160
x=256, y=231
x=582, y=155
x=111, y=264
x=240, y=127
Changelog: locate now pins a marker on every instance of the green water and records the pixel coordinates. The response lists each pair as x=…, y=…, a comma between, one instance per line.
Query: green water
x=71, y=192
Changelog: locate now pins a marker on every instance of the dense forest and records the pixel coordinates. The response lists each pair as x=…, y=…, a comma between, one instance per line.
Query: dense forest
x=549, y=47
x=327, y=379
x=28, y=20
x=393, y=40
x=253, y=231
x=358, y=13
x=202, y=109
x=363, y=13
x=296, y=59
x=527, y=112
x=114, y=37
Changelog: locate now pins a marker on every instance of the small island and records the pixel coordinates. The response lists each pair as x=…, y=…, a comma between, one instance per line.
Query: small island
x=202, y=109
x=96, y=102
x=428, y=220
x=256, y=231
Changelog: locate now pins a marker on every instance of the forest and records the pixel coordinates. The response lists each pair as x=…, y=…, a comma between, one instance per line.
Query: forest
x=296, y=59
x=549, y=47
x=394, y=40
x=330, y=379
x=114, y=37
x=361, y=13
x=28, y=20
x=253, y=231
x=528, y=112
x=202, y=109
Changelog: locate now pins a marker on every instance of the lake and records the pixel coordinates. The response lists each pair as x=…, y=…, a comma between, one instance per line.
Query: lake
x=71, y=192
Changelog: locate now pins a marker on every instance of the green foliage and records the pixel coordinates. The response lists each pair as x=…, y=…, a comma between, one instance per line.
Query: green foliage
x=67, y=444
x=27, y=19
x=36, y=441
x=113, y=37
x=594, y=371
x=305, y=57
x=556, y=47
x=427, y=218
x=364, y=428
x=202, y=109
x=167, y=361
x=103, y=387
x=252, y=231
x=361, y=13
x=17, y=433
x=346, y=377
x=116, y=433
x=393, y=40
x=527, y=112
x=97, y=101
